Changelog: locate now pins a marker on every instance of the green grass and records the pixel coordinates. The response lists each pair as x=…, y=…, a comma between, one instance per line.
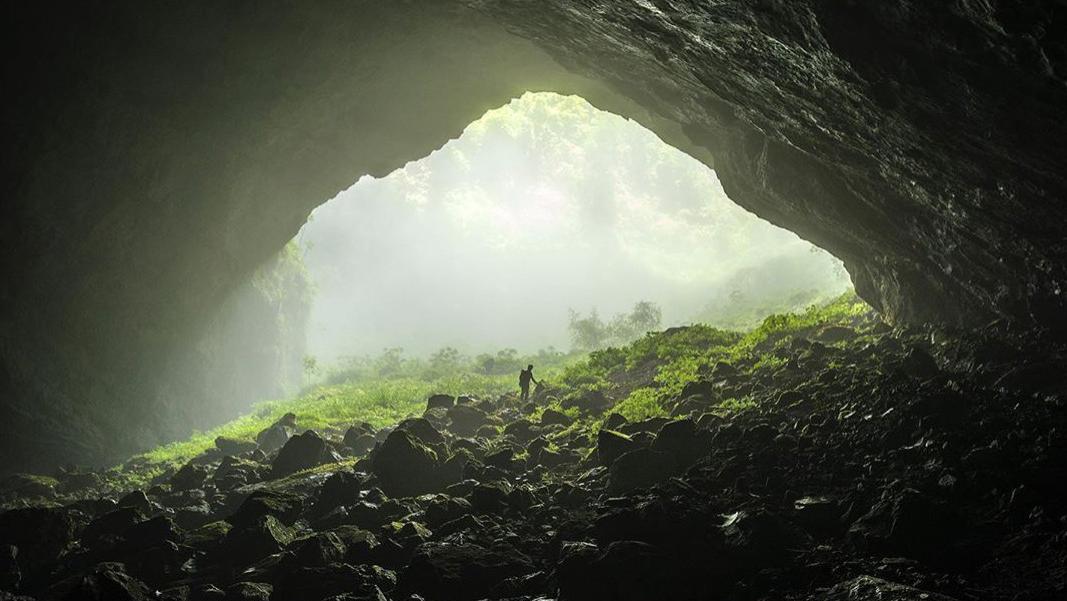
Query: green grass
x=644, y=375
x=735, y=405
x=675, y=357
x=846, y=309
x=378, y=402
x=641, y=404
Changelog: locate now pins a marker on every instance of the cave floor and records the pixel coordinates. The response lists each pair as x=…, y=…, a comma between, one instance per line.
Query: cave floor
x=877, y=464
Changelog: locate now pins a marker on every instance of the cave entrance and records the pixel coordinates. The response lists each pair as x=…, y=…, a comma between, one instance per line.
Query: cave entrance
x=543, y=212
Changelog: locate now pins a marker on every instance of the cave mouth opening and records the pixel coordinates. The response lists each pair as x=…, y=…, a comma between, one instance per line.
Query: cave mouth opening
x=543, y=213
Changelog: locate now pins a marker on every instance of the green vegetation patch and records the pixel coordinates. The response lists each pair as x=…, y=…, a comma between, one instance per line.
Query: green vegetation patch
x=643, y=378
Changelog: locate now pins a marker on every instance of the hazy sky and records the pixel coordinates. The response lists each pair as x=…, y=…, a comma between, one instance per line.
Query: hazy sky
x=540, y=206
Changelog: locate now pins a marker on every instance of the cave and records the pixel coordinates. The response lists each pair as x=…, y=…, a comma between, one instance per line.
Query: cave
x=159, y=155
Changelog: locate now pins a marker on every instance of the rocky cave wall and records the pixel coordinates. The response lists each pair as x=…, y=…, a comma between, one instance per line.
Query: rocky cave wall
x=158, y=153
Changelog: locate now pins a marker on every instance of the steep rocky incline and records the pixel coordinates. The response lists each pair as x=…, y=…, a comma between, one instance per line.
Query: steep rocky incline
x=873, y=465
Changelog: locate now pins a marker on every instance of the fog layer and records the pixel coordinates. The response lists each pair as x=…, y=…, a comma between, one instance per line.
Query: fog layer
x=542, y=206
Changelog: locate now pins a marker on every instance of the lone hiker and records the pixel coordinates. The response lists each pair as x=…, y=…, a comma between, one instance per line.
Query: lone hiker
x=525, y=377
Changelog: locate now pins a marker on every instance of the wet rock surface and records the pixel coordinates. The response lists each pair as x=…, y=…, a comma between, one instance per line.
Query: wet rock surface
x=899, y=466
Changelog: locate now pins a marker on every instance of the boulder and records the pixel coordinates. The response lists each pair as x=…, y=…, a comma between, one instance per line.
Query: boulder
x=423, y=430
x=610, y=445
x=359, y=440
x=372, y=594
x=340, y=488
x=109, y=582
x=761, y=538
x=368, y=515
x=111, y=526
x=301, y=452
x=151, y=533
x=453, y=469
x=249, y=591
x=640, y=468
x=440, y=401
x=651, y=425
x=261, y=503
x=522, y=430
x=551, y=417
x=10, y=575
x=74, y=480
x=28, y=486
x=503, y=459
x=942, y=408
x=272, y=438
x=409, y=533
x=194, y=515
x=869, y=588
x=444, y=508
x=614, y=421
x=263, y=537
x=465, y=420
x=681, y=440
x=701, y=389
x=574, y=568
x=287, y=421
x=589, y=402
x=318, y=550
x=919, y=364
x=40, y=534
x=356, y=582
x=722, y=370
x=819, y=515
x=441, y=571
x=438, y=418
x=487, y=431
x=908, y=524
x=551, y=459
x=489, y=498
x=210, y=535
x=138, y=500
x=233, y=473
x=405, y=466
x=623, y=571
x=234, y=446
x=206, y=592
x=357, y=541
x=190, y=476
x=835, y=334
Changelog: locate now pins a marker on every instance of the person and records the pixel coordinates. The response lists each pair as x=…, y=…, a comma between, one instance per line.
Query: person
x=525, y=377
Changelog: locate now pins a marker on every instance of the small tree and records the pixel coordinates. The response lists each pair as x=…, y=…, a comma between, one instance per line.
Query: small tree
x=645, y=317
x=446, y=360
x=390, y=362
x=591, y=333
x=311, y=369
x=587, y=333
x=485, y=364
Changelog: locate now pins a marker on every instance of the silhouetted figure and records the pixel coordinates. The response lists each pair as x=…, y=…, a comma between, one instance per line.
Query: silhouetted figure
x=525, y=377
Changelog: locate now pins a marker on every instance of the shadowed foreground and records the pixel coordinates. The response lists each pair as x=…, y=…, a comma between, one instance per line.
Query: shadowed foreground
x=826, y=459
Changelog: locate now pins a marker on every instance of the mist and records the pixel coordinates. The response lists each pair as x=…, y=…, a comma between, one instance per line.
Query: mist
x=541, y=207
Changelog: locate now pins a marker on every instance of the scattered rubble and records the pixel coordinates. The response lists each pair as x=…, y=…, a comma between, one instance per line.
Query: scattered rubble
x=872, y=466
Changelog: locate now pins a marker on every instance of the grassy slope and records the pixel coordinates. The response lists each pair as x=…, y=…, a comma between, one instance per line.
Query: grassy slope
x=640, y=377
x=653, y=370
